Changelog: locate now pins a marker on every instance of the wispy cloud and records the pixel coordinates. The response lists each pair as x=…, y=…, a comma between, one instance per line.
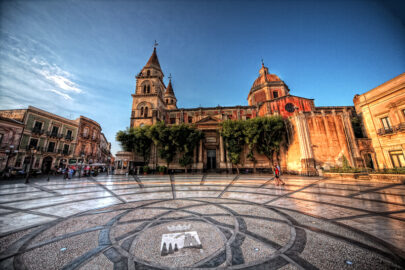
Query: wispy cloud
x=65, y=96
x=30, y=74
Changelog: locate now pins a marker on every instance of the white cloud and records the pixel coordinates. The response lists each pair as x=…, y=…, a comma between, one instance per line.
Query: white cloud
x=65, y=96
x=60, y=81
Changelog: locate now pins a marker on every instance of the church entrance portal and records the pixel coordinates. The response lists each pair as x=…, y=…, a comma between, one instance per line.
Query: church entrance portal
x=211, y=159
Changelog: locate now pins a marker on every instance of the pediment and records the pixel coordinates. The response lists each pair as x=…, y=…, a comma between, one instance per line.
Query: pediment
x=208, y=120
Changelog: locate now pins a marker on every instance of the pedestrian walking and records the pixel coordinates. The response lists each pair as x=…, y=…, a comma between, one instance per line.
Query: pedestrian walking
x=65, y=173
x=70, y=173
x=277, y=173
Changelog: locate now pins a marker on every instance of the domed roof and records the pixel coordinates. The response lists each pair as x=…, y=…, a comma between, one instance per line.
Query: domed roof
x=266, y=78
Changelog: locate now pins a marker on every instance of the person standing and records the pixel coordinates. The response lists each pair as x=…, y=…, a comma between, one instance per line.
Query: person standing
x=277, y=173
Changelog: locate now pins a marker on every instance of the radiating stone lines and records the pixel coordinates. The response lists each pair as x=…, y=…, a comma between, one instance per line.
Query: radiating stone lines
x=254, y=232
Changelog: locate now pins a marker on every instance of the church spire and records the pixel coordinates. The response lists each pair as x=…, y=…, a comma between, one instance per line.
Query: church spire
x=169, y=97
x=153, y=61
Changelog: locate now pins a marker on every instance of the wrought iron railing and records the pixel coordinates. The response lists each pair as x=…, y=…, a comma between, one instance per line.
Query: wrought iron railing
x=398, y=128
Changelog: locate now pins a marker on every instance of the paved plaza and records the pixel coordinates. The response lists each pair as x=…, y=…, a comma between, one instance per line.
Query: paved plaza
x=201, y=221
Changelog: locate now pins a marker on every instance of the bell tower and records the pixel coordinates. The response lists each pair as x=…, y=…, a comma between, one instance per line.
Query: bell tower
x=147, y=101
x=169, y=97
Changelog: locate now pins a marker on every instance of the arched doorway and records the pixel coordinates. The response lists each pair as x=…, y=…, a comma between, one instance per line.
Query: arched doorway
x=46, y=164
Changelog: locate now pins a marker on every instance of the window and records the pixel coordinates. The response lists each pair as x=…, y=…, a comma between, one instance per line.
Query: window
x=37, y=127
x=33, y=143
x=397, y=158
x=148, y=89
x=386, y=123
x=141, y=111
x=148, y=73
x=94, y=135
x=167, y=101
x=275, y=94
x=144, y=89
x=54, y=132
x=85, y=132
x=146, y=112
x=65, y=149
x=18, y=163
x=190, y=119
x=51, y=147
x=1, y=137
x=69, y=134
x=172, y=120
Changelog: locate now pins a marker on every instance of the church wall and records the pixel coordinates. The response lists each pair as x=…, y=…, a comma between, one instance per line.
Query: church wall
x=278, y=106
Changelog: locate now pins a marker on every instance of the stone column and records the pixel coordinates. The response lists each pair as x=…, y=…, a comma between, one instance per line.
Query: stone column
x=200, y=163
x=351, y=138
x=326, y=125
x=307, y=156
x=221, y=150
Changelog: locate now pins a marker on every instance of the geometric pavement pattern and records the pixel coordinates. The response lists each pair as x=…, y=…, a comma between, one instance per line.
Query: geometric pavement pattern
x=243, y=222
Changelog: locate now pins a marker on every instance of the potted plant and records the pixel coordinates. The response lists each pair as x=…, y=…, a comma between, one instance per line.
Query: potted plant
x=161, y=170
x=145, y=169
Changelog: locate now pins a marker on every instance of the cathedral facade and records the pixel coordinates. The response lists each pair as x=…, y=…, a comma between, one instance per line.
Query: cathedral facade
x=319, y=137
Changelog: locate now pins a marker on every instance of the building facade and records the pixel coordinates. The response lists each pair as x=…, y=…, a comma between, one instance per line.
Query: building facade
x=88, y=140
x=57, y=141
x=319, y=137
x=10, y=137
x=382, y=110
x=53, y=137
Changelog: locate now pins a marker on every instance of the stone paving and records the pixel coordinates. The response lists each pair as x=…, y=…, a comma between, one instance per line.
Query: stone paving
x=201, y=221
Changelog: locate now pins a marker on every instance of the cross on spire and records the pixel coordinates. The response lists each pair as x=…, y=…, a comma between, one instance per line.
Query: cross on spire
x=262, y=62
x=155, y=44
x=170, y=76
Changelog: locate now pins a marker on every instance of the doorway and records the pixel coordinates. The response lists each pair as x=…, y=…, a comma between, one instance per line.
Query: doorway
x=46, y=164
x=211, y=159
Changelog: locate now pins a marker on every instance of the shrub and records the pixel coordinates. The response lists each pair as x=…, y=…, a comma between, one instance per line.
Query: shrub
x=145, y=169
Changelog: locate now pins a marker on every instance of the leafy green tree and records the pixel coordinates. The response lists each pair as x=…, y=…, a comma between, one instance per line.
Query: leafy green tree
x=186, y=138
x=163, y=137
x=272, y=134
x=251, y=132
x=234, y=137
x=136, y=140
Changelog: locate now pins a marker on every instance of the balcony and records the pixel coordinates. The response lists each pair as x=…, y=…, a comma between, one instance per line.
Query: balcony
x=37, y=131
x=54, y=135
x=395, y=129
x=69, y=137
x=38, y=148
x=85, y=136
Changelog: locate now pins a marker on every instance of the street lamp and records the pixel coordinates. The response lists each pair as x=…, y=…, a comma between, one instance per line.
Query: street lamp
x=32, y=151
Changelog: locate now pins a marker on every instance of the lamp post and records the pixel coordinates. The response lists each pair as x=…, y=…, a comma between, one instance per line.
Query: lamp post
x=32, y=151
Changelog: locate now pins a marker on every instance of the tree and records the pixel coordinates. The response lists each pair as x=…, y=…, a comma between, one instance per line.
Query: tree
x=251, y=132
x=163, y=137
x=186, y=138
x=273, y=133
x=136, y=140
x=232, y=132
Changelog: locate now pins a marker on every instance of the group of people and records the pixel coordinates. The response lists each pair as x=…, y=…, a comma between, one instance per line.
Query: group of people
x=70, y=171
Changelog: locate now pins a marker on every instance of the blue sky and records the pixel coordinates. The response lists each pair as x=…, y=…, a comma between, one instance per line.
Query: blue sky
x=80, y=57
